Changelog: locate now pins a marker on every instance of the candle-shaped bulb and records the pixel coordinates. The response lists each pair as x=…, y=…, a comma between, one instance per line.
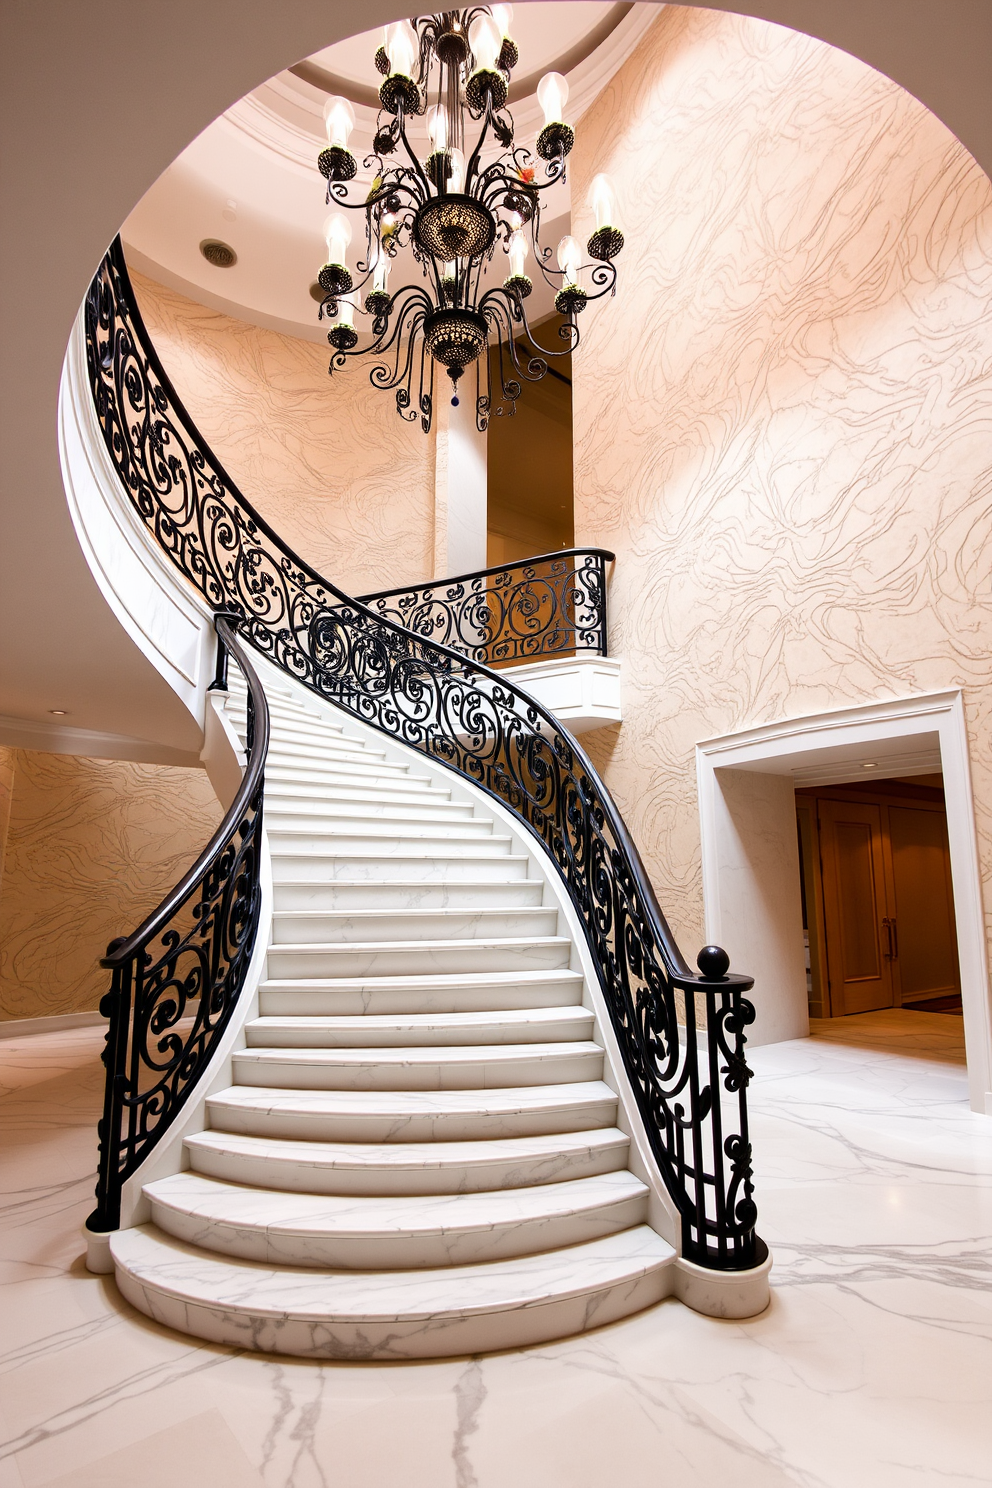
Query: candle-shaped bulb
x=380, y=274
x=518, y=254
x=604, y=202
x=346, y=311
x=503, y=17
x=339, y=121
x=552, y=95
x=456, y=181
x=437, y=127
x=485, y=39
x=569, y=259
x=337, y=236
x=401, y=48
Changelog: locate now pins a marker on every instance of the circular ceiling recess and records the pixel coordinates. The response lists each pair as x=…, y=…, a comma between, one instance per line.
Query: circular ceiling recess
x=221, y=255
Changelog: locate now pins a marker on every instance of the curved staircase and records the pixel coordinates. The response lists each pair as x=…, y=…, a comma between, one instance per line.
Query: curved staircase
x=419, y=1154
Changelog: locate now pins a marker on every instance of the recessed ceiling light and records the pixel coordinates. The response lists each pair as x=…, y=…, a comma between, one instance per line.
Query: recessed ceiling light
x=221, y=255
x=316, y=293
x=869, y=765
x=57, y=712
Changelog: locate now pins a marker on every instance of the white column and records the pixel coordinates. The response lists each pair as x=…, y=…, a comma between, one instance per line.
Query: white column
x=460, y=484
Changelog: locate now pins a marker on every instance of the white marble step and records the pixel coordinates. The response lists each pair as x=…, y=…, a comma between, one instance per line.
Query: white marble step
x=281, y=752
x=361, y=1233
x=366, y=827
x=412, y=957
x=395, y=1314
x=484, y=1067
x=345, y=898
x=485, y=991
x=465, y=861
x=344, y=772
x=317, y=926
x=373, y=1168
x=421, y=1030
x=355, y=789
x=320, y=813
x=392, y=838
x=413, y=1115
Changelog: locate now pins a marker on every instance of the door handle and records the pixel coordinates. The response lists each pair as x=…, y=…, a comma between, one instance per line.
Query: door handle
x=888, y=927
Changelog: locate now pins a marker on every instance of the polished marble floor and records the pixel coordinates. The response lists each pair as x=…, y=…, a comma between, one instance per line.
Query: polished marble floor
x=872, y=1368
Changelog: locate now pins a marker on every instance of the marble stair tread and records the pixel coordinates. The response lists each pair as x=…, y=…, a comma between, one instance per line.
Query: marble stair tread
x=403, y=1030
x=483, y=991
x=406, y=788
x=462, y=859
x=322, y=813
x=382, y=1232
x=377, y=825
x=388, y=1116
x=363, y=1316
x=457, y=1068
x=463, y=922
x=341, y=896
x=388, y=839
x=406, y=1167
x=352, y=958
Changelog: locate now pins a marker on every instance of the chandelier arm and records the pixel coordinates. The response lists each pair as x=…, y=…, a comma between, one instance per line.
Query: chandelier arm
x=471, y=170
x=417, y=167
x=380, y=376
x=412, y=293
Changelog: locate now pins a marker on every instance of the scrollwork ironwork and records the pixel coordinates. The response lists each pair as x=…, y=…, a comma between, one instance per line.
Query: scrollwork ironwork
x=177, y=979
x=681, y=1035
x=554, y=605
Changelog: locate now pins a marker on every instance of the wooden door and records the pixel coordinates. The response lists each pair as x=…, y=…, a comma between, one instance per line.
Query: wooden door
x=855, y=907
x=926, y=959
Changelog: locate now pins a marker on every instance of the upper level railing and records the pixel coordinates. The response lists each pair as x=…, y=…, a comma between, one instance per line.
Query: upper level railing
x=553, y=605
x=177, y=979
x=681, y=1035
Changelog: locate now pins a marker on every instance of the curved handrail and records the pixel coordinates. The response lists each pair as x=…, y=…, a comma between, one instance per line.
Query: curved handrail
x=178, y=977
x=471, y=720
x=551, y=605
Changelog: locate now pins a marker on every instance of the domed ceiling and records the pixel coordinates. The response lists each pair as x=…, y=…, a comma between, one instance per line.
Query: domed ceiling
x=250, y=180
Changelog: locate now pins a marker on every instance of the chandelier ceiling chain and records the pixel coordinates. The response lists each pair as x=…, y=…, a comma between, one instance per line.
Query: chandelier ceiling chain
x=454, y=214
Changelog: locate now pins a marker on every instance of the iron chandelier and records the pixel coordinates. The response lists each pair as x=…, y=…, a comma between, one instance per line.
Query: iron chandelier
x=454, y=213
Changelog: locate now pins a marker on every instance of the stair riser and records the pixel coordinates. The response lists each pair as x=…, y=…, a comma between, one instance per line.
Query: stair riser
x=291, y=1176
x=236, y=1325
x=454, y=924
x=391, y=842
x=405, y=790
x=427, y=1126
x=325, y=751
x=575, y=1029
x=340, y=898
x=493, y=1073
x=412, y=960
x=495, y=867
x=324, y=829
x=319, y=813
x=286, y=1003
x=416, y=1250
x=339, y=772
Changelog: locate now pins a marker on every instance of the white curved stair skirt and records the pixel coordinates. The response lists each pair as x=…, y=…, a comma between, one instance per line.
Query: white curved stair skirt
x=421, y=1152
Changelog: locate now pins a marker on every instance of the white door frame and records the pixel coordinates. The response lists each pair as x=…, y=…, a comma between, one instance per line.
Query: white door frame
x=901, y=736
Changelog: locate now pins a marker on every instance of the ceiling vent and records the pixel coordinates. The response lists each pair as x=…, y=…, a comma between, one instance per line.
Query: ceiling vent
x=221, y=255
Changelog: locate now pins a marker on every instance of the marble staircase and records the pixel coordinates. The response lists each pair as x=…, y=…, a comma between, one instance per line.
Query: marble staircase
x=419, y=1155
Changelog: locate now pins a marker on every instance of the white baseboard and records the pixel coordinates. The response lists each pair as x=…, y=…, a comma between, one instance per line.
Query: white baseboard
x=18, y=1027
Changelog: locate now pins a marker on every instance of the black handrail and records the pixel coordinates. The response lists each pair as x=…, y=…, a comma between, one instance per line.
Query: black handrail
x=551, y=605
x=471, y=720
x=178, y=977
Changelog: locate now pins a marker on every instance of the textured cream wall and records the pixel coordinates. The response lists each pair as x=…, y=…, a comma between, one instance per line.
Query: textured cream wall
x=92, y=846
x=326, y=460
x=783, y=420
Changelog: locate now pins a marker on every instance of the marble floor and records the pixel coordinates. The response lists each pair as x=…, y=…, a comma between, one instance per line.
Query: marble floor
x=872, y=1368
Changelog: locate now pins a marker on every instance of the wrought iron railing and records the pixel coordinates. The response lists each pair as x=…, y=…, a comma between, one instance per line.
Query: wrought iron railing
x=177, y=979
x=681, y=1035
x=554, y=605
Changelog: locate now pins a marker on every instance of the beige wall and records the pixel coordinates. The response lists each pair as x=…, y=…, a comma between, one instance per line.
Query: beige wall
x=783, y=420
x=92, y=846
x=326, y=460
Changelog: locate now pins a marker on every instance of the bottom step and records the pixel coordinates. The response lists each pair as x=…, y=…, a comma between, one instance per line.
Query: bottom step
x=396, y=1314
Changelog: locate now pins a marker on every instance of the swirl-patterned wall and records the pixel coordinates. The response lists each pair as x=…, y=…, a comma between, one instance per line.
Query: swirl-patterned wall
x=783, y=422
x=326, y=460
x=92, y=846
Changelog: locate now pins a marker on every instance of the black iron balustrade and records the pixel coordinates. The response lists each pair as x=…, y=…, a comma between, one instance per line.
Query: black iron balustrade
x=553, y=605
x=690, y=1083
x=177, y=979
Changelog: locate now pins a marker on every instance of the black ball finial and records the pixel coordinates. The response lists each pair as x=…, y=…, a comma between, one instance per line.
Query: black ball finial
x=713, y=963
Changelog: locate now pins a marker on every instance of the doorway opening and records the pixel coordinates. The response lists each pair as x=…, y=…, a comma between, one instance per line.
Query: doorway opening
x=877, y=897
